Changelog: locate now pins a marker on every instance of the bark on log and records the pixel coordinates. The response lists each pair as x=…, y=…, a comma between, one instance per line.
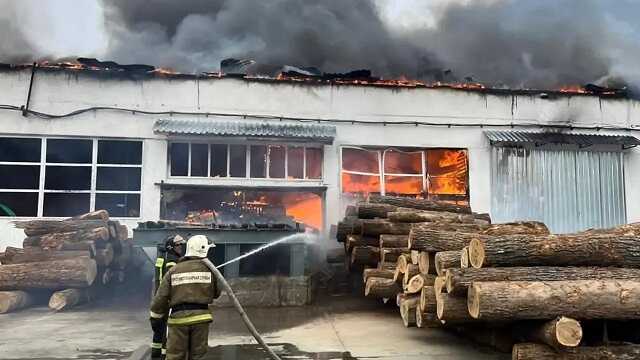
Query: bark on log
x=559, y=333
x=518, y=227
x=530, y=351
x=359, y=240
x=385, y=274
x=410, y=272
x=391, y=254
x=95, y=215
x=417, y=282
x=555, y=250
x=55, y=240
x=379, y=227
x=420, y=204
x=15, y=300
x=458, y=280
x=365, y=255
x=414, y=255
x=81, y=246
x=408, y=307
x=66, y=299
x=426, y=319
x=350, y=225
x=464, y=258
x=386, y=266
x=428, y=302
x=447, y=259
x=56, y=274
x=381, y=288
x=580, y=299
x=351, y=210
x=394, y=241
x=452, y=309
x=424, y=238
x=409, y=216
x=373, y=211
x=48, y=256
x=41, y=227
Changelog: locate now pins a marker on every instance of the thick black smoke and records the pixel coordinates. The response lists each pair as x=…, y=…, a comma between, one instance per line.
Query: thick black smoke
x=514, y=43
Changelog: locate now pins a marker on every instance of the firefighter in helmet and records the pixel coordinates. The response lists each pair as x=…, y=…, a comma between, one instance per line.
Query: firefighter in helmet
x=168, y=255
x=186, y=292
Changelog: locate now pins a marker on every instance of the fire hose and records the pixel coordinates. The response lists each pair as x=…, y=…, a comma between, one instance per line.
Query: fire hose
x=236, y=304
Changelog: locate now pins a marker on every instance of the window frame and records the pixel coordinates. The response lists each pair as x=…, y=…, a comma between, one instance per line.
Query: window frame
x=92, y=191
x=248, y=145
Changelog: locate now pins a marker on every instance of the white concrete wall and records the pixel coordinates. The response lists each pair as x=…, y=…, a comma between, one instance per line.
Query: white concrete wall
x=63, y=92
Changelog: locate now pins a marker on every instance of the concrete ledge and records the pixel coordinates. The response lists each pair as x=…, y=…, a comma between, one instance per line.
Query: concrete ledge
x=269, y=291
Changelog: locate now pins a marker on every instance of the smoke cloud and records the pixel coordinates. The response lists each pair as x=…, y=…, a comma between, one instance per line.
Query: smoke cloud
x=511, y=43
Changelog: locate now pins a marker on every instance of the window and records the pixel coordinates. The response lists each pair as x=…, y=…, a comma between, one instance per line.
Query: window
x=255, y=161
x=67, y=177
x=436, y=173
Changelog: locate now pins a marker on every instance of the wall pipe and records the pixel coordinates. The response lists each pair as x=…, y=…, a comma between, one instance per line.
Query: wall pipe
x=25, y=108
x=236, y=304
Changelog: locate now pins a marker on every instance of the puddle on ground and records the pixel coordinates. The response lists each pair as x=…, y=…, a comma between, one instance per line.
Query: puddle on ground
x=285, y=351
x=94, y=354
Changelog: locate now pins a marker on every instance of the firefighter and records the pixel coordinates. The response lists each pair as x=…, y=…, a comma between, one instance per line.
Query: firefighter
x=168, y=255
x=186, y=292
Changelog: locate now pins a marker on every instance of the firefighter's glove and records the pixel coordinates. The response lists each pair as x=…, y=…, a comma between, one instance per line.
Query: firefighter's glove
x=156, y=324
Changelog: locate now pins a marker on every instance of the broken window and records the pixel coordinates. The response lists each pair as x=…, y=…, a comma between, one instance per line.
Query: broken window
x=276, y=156
x=179, y=156
x=119, y=152
x=219, y=160
x=199, y=159
x=237, y=160
x=295, y=162
x=313, y=158
x=19, y=149
x=71, y=151
x=447, y=171
x=360, y=170
x=258, y=161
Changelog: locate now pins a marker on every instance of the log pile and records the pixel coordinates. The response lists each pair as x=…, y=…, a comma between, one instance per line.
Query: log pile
x=514, y=286
x=66, y=260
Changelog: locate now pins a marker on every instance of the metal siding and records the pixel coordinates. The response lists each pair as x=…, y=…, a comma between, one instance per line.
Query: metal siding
x=567, y=190
x=583, y=140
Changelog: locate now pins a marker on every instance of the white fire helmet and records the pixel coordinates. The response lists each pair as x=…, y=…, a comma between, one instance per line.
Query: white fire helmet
x=178, y=240
x=198, y=246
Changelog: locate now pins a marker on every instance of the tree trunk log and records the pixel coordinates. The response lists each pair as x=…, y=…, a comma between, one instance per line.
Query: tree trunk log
x=95, y=215
x=386, y=266
x=351, y=210
x=464, y=257
x=57, y=239
x=423, y=262
x=428, y=302
x=410, y=272
x=350, y=225
x=420, y=204
x=105, y=256
x=529, y=351
x=66, y=299
x=439, y=284
x=15, y=300
x=402, y=262
x=452, y=309
x=426, y=319
x=447, y=259
x=415, y=256
x=559, y=333
x=48, y=256
x=365, y=255
x=424, y=238
x=394, y=241
x=580, y=299
x=518, y=227
x=385, y=274
x=56, y=274
x=408, y=307
x=41, y=227
x=458, y=280
x=379, y=227
x=89, y=246
x=373, y=211
x=555, y=250
x=391, y=254
x=408, y=216
x=417, y=282
x=359, y=240
x=381, y=288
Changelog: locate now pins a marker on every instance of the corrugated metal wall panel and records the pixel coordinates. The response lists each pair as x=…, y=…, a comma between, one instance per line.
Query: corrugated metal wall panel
x=567, y=190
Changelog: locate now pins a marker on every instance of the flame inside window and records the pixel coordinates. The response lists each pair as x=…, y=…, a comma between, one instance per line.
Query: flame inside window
x=447, y=170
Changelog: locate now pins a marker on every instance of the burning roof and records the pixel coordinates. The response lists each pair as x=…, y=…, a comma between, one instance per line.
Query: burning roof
x=233, y=68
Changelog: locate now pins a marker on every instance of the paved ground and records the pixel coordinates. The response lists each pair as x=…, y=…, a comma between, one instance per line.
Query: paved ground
x=336, y=328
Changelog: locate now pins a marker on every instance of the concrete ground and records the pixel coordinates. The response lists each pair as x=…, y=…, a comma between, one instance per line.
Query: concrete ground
x=341, y=327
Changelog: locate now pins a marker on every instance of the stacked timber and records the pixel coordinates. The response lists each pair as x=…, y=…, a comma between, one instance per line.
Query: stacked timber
x=64, y=259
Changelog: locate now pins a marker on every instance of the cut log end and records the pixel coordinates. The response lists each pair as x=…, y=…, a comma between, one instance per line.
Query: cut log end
x=423, y=262
x=473, y=302
x=464, y=258
x=568, y=332
x=476, y=253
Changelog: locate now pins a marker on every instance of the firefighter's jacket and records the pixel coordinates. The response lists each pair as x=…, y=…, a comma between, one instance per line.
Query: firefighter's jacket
x=165, y=261
x=188, y=284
